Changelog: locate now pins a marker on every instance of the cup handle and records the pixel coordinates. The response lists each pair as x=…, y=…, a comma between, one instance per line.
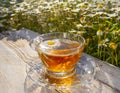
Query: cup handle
x=34, y=43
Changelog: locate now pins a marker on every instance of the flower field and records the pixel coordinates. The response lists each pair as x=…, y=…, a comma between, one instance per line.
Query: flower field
x=98, y=22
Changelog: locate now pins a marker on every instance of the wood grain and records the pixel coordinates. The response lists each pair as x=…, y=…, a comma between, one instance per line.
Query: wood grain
x=22, y=49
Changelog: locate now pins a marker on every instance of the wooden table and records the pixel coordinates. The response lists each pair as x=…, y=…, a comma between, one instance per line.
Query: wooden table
x=15, y=53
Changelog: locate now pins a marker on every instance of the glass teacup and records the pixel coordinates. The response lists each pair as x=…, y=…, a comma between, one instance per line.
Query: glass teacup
x=59, y=52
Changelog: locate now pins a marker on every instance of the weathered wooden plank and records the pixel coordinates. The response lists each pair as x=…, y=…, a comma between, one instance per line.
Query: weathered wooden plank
x=16, y=51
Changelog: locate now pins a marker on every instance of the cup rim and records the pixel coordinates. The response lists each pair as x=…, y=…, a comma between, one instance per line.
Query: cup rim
x=64, y=33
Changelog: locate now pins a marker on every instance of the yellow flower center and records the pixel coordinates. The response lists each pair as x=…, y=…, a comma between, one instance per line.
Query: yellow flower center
x=113, y=45
x=51, y=42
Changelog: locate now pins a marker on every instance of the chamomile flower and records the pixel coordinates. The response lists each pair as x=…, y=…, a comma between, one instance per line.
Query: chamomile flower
x=113, y=45
x=99, y=6
x=102, y=43
x=99, y=32
x=79, y=26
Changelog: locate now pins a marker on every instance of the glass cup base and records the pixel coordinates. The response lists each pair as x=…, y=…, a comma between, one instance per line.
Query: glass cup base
x=60, y=75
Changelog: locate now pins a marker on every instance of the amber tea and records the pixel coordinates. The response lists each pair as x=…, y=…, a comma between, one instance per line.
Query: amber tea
x=60, y=55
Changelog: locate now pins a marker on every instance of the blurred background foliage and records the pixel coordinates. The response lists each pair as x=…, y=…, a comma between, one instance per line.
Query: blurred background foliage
x=97, y=21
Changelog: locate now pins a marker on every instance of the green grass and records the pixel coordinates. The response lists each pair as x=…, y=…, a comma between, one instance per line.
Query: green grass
x=98, y=22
